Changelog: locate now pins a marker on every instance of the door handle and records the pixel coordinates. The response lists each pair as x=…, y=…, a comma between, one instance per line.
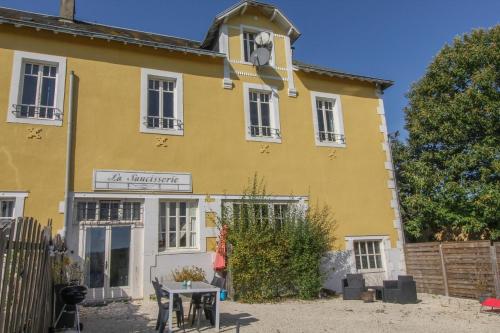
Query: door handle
x=106, y=264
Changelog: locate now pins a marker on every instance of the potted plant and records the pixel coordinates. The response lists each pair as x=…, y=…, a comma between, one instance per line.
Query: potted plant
x=192, y=273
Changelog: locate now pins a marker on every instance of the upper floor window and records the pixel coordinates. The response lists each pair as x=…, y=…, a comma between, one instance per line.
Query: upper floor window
x=161, y=102
x=248, y=44
x=38, y=92
x=7, y=208
x=328, y=123
x=161, y=105
x=261, y=113
x=37, y=89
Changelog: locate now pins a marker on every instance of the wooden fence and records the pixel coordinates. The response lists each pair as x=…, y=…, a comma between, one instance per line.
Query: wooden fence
x=462, y=269
x=25, y=277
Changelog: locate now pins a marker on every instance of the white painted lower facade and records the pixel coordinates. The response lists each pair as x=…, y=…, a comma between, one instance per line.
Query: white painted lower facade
x=340, y=263
x=146, y=261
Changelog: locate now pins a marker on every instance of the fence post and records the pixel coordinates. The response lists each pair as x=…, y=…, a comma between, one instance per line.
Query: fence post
x=494, y=268
x=443, y=268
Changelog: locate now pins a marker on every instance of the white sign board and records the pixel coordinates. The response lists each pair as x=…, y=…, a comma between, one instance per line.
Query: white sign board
x=112, y=180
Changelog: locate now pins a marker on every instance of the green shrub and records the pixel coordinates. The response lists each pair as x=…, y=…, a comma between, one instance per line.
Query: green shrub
x=273, y=257
x=192, y=273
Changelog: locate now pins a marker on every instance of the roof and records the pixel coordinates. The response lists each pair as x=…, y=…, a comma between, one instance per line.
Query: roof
x=94, y=30
x=384, y=84
x=272, y=11
x=127, y=36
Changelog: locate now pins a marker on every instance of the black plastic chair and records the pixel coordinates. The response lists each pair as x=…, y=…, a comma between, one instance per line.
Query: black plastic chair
x=353, y=286
x=402, y=291
x=205, y=303
x=162, y=319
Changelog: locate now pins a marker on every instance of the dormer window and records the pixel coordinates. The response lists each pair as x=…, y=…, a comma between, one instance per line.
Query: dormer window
x=248, y=44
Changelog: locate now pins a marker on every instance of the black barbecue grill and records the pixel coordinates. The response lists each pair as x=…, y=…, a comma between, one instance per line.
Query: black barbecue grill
x=72, y=296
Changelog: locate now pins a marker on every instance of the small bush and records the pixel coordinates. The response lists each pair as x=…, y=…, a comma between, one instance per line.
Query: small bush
x=275, y=256
x=192, y=273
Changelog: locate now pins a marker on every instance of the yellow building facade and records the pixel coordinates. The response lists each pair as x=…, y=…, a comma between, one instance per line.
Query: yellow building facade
x=132, y=142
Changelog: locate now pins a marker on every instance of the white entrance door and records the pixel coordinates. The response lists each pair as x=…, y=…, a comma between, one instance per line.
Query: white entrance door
x=107, y=261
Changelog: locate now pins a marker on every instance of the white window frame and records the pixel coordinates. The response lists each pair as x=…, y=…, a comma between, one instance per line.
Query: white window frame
x=361, y=246
x=20, y=58
x=7, y=200
x=273, y=108
x=98, y=202
x=338, y=121
x=385, y=244
x=18, y=198
x=147, y=74
x=271, y=208
x=250, y=28
x=197, y=230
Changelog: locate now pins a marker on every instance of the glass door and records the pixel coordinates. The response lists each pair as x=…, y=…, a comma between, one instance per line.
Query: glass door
x=119, y=261
x=95, y=261
x=107, y=261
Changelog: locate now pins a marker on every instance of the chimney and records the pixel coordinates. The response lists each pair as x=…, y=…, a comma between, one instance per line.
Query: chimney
x=67, y=10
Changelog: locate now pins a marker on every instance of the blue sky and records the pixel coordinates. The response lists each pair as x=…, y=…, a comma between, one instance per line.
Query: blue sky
x=391, y=39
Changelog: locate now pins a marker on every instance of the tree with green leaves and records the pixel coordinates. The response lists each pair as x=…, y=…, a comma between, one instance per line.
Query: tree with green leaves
x=448, y=170
x=275, y=254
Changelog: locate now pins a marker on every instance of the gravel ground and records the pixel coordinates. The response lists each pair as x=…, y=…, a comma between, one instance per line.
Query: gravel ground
x=432, y=314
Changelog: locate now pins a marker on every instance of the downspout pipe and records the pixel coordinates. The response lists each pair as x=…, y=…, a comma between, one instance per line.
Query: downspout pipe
x=69, y=157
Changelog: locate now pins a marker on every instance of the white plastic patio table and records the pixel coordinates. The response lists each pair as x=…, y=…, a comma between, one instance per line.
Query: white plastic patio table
x=172, y=288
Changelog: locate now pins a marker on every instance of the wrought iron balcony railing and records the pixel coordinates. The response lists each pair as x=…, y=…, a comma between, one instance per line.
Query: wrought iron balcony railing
x=264, y=131
x=36, y=112
x=325, y=136
x=163, y=123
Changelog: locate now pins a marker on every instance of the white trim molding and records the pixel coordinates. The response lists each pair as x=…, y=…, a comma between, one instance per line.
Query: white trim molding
x=284, y=69
x=146, y=74
x=292, y=92
x=227, y=83
x=338, y=121
x=274, y=111
x=18, y=198
x=391, y=183
x=385, y=246
x=270, y=77
x=20, y=57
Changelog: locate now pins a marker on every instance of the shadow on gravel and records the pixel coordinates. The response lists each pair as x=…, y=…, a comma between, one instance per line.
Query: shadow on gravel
x=125, y=317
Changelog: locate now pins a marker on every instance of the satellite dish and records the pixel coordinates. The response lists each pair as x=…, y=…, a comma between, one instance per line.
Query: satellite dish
x=260, y=56
x=263, y=39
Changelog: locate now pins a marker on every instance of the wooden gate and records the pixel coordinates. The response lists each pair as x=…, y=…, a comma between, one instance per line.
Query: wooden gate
x=25, y=277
